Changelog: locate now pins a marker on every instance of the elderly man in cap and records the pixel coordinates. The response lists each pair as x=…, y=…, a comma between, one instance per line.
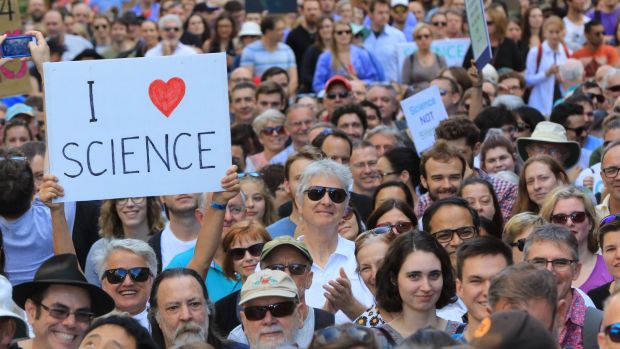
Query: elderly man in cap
x=271, y=312
x=60, y=304
x=550, y=139
x=338, y=92
x=291, y=256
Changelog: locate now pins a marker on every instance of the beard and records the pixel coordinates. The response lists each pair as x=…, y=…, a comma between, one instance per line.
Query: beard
x=188, y=333
x=288, y=338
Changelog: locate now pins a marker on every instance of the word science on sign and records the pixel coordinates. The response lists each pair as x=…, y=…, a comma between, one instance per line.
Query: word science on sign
x=138, y=127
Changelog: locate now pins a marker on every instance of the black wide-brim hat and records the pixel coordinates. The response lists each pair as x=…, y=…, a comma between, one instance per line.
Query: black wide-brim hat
x=63, y=269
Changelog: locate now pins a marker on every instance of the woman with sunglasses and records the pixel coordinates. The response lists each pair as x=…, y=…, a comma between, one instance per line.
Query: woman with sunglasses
x=609, y=242
x=540, y=175
x=126, y=218
x=570, y=207
x=392, y=215
x=343, y=58
x=517, y=229
x=269, y=127
x=415, y=279
x=423, y=65
x=322, y=197
x=258, y=202
x=370, y=249
x=126, y=268
x=481, y=197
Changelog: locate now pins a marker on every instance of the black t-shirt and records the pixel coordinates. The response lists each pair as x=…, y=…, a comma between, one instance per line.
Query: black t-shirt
x=299, y=39
x=506, y=55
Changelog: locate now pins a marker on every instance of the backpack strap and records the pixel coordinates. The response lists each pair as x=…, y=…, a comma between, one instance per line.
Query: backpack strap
x=591, y=328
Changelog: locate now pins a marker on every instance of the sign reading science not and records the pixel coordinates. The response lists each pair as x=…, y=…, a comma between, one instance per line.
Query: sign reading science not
x=138, y=126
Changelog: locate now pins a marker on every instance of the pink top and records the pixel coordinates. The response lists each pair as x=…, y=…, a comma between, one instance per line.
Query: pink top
x=600, y=276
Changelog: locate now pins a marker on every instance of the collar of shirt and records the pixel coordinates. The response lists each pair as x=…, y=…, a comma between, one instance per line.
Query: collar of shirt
x=577, y=312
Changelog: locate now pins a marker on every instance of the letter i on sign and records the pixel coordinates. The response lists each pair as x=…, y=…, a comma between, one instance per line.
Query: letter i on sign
x=92, y=103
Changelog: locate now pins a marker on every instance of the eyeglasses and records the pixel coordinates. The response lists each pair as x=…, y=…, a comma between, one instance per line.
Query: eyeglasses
x=169, y=29
x=599, y=98
x=337, y=195
x=610, y=172
x=464, y=233
x=258, y=312
x=615, y=88
x=400, y=227
x=103, y=26
x=422, y=36
x=383, y=174
x=578, y=131
x=440, y=24
x=613, y=331
x=562, y=219
x=560, y=264
x=13, y=158
x=136, y=201
x=116, y=276
x=239, y=252
x=521, y=127
x=342, y=32
x=269, y=131
x=293, y=268
x=333, y=95
x=520, y=244
x=62, y=313
x=249, y=174
x=361, y=335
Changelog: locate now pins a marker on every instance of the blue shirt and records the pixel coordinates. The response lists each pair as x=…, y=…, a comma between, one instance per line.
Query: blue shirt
x=218, y=285
x=360, y=60
x=282, y=227
x=257, y=56
x=385, y=49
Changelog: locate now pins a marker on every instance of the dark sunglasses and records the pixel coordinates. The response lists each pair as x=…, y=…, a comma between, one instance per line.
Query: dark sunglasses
x=316, y=193
x=520, y=244
x=613, y=331
x=575, y=217
x=116, y=276
x=293, y=268
x=440, y=24
x=333, y=95
x=258, y=312
x=615, y=88
x=399, y=9
x=599, y=98
x=97, y=27
x=578, y=131
x=400, y=227
x=169, y=29
x=422, y=36
x=268, y=131
x=342, y=32
x=254, y=250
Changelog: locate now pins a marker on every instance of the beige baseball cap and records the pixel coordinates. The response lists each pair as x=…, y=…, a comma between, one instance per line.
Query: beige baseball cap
x=300, y=246
x=268, y=283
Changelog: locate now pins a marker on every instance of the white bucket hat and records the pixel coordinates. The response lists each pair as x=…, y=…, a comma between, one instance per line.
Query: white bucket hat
x=550, y=132
x=8, y=308
x=250, y=29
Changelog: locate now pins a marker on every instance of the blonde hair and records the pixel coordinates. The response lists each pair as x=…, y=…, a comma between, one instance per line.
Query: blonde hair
x=553, y=21
x=421, y=26
x=336, y=62
x=270, y=215
x=112, y=226
x=519, y=223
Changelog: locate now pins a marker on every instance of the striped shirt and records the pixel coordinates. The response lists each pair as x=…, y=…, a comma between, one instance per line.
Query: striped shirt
x=261, y=59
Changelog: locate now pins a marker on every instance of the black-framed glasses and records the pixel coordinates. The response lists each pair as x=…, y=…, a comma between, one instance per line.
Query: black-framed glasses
x=249, y=174
x=258, y=312
x=595, y=96
x=293, y=268
x=360, y=335
x=169, y=29
x=316, y=193
x=342, y=32
x=520, y=244
x=58, y=313
x=440, y=24
x=239, y=252
x=399, y=227
x=613, y=331
x=118, y=275
x=334, y=95
x=269, y=131
x=562, y=219
x=136, y=201
x=610, y=172
x=464, y=233
x=102, y=26
x=559, y=264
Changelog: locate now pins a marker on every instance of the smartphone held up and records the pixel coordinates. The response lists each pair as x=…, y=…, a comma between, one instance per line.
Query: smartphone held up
x=16, y=46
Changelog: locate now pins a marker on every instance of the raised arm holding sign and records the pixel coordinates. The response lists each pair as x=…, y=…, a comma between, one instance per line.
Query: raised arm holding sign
x=478, y=32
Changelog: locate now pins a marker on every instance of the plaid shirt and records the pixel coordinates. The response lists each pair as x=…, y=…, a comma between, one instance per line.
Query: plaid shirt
x=505, y=191
x=571, y=335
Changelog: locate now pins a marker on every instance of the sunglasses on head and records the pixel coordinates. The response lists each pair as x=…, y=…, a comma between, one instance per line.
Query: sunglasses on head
x=562, y=219
x=333, y=95
x=609, y=219
x=258, y=312
x=520, y=244
x=254, y=250
x=269, y=131
x=249, y=174
x=400, y=227
x=293, y=268
x=116, y=276
x=613, y=331
x=316, y=193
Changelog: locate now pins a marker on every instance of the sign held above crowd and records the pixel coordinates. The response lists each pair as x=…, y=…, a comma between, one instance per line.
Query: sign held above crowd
x=138, y=127
x=423, y=112
x=478, y=32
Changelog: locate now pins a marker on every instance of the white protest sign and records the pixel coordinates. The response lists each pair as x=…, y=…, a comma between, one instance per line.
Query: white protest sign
x=138, y=126
x=478, y=32
x=452, y=50
x=424, y=111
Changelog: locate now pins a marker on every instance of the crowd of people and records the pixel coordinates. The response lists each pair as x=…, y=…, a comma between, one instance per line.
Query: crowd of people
x=332, y=230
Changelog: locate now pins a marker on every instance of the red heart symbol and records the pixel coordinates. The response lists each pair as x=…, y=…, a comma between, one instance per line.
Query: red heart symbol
x=166, y=96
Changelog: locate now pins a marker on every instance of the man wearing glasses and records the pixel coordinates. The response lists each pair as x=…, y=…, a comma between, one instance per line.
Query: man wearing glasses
x=60, y=304
x=610, y=164
x=170, y=31
x=338, y=92
x=271, y=312
x=554, y=247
